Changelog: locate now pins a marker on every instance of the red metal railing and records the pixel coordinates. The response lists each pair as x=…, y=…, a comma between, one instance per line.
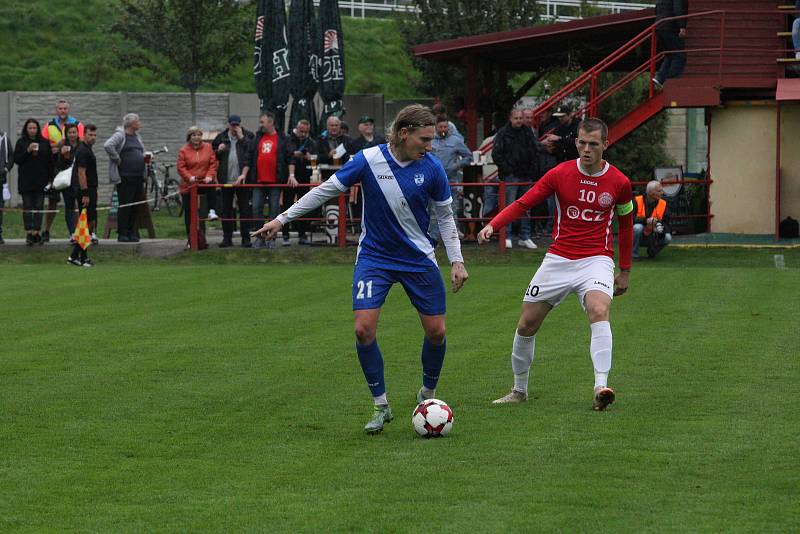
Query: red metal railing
x=648, y=36
x=194, y=204
x=343, y=221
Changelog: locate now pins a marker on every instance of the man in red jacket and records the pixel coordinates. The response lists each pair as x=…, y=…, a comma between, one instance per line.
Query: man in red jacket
x=580, y=260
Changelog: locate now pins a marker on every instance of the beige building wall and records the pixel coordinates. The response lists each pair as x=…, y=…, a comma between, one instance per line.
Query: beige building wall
x=675, y=144
x=742, y=161
x=790, y=160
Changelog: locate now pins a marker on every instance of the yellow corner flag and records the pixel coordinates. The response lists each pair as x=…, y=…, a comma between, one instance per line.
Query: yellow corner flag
x=82, y=235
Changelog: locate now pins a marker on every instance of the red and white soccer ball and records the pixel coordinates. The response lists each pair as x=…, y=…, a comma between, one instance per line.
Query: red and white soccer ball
x=432, y=418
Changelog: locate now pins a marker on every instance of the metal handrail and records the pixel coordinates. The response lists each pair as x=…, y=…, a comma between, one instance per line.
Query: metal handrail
x=590, y=76
x=549, y=6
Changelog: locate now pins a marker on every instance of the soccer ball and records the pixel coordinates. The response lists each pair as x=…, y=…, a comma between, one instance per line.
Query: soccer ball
x=432, y=418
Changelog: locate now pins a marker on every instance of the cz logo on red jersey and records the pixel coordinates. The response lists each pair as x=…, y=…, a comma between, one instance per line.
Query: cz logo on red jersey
x=573, y=212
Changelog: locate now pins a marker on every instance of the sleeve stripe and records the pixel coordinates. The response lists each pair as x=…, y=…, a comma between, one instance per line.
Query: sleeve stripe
x=340, y=186
x=624, y=209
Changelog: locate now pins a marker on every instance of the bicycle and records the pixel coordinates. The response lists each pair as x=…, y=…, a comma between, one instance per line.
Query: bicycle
x=163, y=191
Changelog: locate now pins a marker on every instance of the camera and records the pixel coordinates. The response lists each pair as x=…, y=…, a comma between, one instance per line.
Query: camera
x=659, y=227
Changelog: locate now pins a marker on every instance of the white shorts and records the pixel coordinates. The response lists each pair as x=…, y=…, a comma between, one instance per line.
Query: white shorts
x=557, y=277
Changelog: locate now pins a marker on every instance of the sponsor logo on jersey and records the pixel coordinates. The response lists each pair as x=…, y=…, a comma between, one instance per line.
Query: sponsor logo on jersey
x=574, y=212
x=419, y=179
x=599, y=283
x=605, y=200
x=588, y=182
x=385, y=177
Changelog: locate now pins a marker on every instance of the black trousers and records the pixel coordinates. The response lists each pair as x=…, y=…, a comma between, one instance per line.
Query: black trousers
x=242, y=195
x=32, y=201
x=290, y=196
x=672, y=64
x=127, y=192
x=75, y=205
x=202, y=208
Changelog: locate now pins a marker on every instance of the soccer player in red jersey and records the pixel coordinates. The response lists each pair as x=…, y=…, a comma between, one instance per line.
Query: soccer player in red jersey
x=580, y=260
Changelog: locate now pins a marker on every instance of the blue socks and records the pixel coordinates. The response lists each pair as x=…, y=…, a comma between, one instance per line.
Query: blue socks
x=432, y=361
x=371, y=360
x=372, y=364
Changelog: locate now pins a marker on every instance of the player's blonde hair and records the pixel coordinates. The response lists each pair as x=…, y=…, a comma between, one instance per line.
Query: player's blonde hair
x=410, y=117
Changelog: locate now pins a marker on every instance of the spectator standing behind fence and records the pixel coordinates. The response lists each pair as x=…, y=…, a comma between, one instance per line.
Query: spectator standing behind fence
x=330, y=141
x=516, y=155
x=232, y=148
x=489, y=170
x=300, y=147
x=267, y=166
x=454, y=156
x=55, y=130
x=651, y=226
x=62, y=160
x=197, y=164
x=126, y=169
x=565, y=134
x=84, y=187
x=35, y=161
x=367, y=137
x=670, y=35
x=6, y=164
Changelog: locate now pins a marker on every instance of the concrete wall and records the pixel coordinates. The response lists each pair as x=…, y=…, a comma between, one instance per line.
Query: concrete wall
x=165, y=118
x=790, y=161
x=742, y=162
x=675, y=143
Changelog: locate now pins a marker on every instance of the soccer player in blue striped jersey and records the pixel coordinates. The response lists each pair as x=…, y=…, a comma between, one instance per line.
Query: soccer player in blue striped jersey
x=399, y=181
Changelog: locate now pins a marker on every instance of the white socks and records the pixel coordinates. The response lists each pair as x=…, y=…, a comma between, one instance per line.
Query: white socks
x=380, y=400
x=521, y=360
x=600, y=349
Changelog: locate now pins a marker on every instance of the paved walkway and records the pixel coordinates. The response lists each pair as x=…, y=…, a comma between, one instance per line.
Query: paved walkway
x=145, y=247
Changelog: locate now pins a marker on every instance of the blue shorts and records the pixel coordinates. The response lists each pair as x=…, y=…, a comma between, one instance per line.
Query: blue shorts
x=372, y=284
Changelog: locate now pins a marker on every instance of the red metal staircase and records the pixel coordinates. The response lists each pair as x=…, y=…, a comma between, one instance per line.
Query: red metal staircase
x=738, y=51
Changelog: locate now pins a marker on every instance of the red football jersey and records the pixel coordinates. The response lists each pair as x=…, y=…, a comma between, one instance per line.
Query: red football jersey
x=585, y=205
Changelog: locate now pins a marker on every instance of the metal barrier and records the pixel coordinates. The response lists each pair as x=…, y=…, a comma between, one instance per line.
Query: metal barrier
x=550, y=7
x=194, y=224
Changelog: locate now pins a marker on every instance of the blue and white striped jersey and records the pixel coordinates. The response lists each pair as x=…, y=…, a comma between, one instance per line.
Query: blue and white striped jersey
x=394, y=224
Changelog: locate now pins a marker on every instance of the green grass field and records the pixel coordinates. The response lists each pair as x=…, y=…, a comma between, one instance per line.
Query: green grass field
x=221, y=392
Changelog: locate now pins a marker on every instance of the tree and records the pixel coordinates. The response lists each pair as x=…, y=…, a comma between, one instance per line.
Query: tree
x=448, y=19
x=201, y=40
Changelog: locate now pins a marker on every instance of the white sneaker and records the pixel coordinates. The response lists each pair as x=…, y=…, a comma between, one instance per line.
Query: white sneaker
x=514, y=397
x=508, y=243
x=527, y=243
x=212, y=215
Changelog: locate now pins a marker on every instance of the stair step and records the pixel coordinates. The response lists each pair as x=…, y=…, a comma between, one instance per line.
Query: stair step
x=788, y=60
x=784, y=34
x=790, y=6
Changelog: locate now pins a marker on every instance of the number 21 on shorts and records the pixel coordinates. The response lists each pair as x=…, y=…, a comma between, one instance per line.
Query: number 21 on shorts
x=361, y=287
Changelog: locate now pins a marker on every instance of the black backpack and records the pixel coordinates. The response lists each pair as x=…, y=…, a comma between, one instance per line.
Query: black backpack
x=789, y=228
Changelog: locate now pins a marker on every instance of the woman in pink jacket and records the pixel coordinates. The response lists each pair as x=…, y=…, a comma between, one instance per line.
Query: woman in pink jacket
x=196, y=164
